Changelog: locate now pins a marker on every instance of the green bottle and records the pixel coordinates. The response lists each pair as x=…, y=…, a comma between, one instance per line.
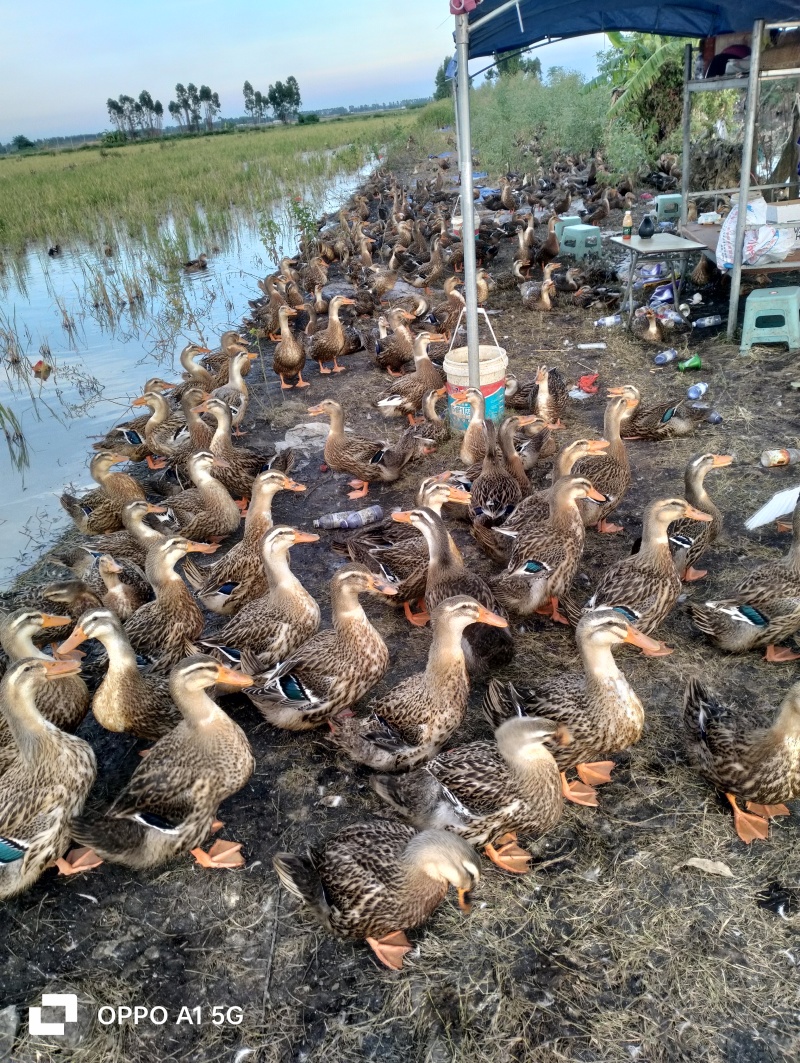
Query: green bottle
x=690, y=363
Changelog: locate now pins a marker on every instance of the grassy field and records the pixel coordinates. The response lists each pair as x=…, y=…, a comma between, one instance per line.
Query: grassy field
x=130, y=191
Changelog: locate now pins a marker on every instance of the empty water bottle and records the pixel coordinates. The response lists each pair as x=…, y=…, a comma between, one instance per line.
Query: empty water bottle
x=707, y=322
x=352, y=518
x=783, y=456
x=607, y=322
x=697, y=391
x=665, y=357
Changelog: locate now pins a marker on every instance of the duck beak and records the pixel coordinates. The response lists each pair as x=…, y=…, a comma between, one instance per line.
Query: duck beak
x=595, y=495
x=441, y=391
x=202, y=408
x=305, y=537
x=220, y=463
x=614, y=392
x=77, y=637
x=458, y=494
x=486, y=616
x=437, y=337
x=233, y=679
x=638, y=638
x=118, y=459
x=315, y=410
x=597, y=446
x=156, y=509
x=202, y=548
x=292, y=485
x=721, y=460
x=383, y=586
x=252, y=355
x=528, y=418
x=141, y=401
x=464, y=901
x=403, y=517
x=348, y=302
x=51, y=620
x=203, y=350
x=697, y=514
x=59, y=669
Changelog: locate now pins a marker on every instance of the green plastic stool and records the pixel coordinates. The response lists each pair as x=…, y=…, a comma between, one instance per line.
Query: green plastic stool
x=772, y=315
x=565, y=222
x=581, y=240
x=668, y=207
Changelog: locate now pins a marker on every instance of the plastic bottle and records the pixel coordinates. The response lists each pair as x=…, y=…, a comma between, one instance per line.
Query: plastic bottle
x=627, y=226
x=697, y=391
x=352, y=518
x=607, y=322
x=690, y=363
x=665, y=357
x=786, y=456
x=707, y=322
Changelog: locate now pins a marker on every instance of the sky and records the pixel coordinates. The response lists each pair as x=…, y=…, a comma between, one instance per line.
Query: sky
x=59, y=62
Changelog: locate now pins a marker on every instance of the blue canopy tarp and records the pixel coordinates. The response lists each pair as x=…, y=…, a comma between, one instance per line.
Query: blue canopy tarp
x=517, y=25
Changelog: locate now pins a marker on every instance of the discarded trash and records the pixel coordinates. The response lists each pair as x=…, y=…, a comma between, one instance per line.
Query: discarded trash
x=353, y=518
x=697, y=391
x=577, y=393
x=714, y=417
x=782, y=502
x=690, y=363
x=786, y=456
x=665, y=357
x=607, y=322
x=627, y=225
x=707, y=322
x=41, y=370
x=591, y=346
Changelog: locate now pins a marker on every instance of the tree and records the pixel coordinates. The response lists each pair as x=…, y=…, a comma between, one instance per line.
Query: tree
x=21, y=143
x=441, y=86
x=249, y=100
x=284, y=99
x=645, y=71
x=211, y=105
x=513, y=62
x=176, y=112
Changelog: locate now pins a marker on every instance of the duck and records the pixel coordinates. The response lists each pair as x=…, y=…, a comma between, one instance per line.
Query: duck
x=135, y=538
x=550, y=247
x=434, y=426
x=238, y=465
x=127, y=701
x=405, y=878
x=690, y=539
x=447, y=313
x=776, y=579
x=759, y=768
x=333, y=669
x=367, y=459
x=609, y=473
x=394, y=350
x=538, y=296
x=545, y=556
x=329, y=344
x=597, y=706
x=124, y=590
x=166, y=432
x=205, y=511
x=662, y=420
x=647, y=326
x=275, y=624
x=218, y=362
x=645, y=586
x=235, y=393
x=487, y=792
x=485, y=646
x=736, y=625
x=170, y=802
x=267, y=315
x=47, y=783
x=127, y=578
x=289, y=356
x=64, y=704
x=404, y=395
x=100, y=510
x=239, y=577
x=194, y=375
x=495, y=491
x=166, y=629
x=196, y=265
x=473, y=442
x=551, y=396
x=411, y=723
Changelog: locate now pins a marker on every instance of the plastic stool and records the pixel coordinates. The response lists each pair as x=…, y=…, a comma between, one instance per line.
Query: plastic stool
x=772, y=315
x=668, y=207
x=581, y=240
x=565, y=222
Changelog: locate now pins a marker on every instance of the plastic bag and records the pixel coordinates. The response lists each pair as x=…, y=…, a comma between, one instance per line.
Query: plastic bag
x=767, y=243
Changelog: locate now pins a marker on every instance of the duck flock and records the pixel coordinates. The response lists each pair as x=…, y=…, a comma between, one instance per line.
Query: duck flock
x=148, y=638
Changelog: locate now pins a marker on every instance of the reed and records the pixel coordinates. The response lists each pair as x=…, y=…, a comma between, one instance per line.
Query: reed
x=191, y=185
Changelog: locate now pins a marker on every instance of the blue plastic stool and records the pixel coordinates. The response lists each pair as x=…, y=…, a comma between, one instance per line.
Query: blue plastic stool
x=668, y=207
x=581, y=240
x=772, y=315
x=565, y=222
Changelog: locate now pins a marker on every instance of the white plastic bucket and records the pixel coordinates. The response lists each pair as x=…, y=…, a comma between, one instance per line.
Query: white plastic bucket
x=493, y=364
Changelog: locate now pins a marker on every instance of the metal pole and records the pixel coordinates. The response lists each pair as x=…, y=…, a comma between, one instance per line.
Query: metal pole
x=687, y=132
x=455, y=112
x=751, y=109
x=467, y=207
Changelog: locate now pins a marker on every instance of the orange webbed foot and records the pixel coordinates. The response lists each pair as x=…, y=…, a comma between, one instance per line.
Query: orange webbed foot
x=596, y=773
x=361, y=492
x=221, y=854
x=692, y=574
x=419, y=618
x=156, y=463
x=578, y=793
x=749, y=827
x=77, y=860
x=779, y=654
x=390, y=949
x=767, y=811
x=607, y=528
x=505, y=853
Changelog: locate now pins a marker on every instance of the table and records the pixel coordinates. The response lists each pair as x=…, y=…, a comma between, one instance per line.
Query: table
x=660, y=245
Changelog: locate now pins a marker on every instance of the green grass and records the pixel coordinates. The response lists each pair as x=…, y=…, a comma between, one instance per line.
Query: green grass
x=130, y=191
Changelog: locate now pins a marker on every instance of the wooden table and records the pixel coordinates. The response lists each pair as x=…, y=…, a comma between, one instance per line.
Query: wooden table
x=660, y=245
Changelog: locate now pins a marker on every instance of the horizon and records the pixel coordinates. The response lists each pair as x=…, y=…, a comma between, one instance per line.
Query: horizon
x=89, y=52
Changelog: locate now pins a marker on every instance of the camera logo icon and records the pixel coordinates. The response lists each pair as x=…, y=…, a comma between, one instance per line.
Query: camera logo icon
x=67, y=1001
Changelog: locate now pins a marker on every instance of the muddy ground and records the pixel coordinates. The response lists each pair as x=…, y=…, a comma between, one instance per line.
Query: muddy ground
x=610, y=949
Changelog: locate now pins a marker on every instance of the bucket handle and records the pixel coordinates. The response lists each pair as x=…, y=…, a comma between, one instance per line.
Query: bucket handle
x=458, y=326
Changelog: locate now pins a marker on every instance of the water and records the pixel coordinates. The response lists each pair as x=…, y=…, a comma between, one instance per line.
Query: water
x=103, y=353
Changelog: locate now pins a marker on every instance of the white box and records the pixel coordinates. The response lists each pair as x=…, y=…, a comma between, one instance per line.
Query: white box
x=786, y=211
